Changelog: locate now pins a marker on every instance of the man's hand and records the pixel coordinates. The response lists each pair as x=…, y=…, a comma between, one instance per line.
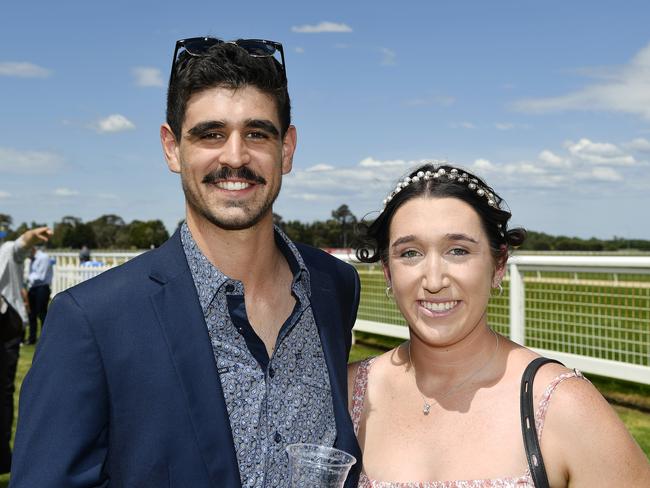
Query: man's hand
x=36, y=236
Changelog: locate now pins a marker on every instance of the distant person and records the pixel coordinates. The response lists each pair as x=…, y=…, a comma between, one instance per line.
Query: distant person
x=197, y=363
x=13, y=314
x=39, y=289
x=443, y=409
x=84, y=255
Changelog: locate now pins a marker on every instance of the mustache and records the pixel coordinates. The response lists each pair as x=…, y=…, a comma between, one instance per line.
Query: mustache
x=226, y=173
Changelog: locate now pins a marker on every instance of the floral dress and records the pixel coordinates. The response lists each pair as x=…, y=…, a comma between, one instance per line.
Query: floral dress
x=523, y=481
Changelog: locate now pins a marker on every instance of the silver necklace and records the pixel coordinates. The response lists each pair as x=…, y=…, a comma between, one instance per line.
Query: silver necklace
x=426, y=408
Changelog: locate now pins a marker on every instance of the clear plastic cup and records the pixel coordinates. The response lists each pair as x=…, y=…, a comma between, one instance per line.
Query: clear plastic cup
x=313, y=466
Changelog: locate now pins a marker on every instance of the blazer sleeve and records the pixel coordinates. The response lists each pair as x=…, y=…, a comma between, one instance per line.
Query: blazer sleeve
x=61, y=437
x=356, y=294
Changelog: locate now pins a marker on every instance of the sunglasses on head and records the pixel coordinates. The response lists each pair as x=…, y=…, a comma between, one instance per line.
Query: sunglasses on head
x=198, y=46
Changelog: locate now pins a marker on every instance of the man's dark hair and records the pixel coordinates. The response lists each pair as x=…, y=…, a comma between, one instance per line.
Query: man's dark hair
x=228, y=66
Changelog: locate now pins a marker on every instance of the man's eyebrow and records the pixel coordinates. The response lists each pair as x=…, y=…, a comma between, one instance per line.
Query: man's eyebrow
x=403, y=240
x=205, y=126
x=263, y=124
x=460, y=237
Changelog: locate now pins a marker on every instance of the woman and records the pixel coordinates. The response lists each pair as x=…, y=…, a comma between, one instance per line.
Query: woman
x=445, y=405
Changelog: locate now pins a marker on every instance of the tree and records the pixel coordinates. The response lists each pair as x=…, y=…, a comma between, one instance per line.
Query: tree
x=71, y=232
x=5, y=222
x=143, y=235
x=107, y=229
x=345, y=219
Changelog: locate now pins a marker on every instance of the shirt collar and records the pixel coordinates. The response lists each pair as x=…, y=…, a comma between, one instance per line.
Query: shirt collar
x=208, y=279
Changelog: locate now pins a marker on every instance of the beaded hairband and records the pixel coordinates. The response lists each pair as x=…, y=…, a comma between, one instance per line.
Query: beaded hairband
x=452, y=175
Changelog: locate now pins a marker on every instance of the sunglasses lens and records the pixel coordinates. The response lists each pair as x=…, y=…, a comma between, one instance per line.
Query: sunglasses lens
x=256, y=48
x=199, y=45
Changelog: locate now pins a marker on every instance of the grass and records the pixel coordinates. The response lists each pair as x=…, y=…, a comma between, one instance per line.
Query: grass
x=637, y=422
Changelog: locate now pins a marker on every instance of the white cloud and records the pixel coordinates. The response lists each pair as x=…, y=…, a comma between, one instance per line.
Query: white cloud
x=601, y=174
x=4, y=194
x=504, y=126
x=625, y=89
x=599, y=152
x=320, y=167
x=145, y=76
x=308, y=197
x=321, y=28
x=483, y=165
x=114, y=123
x=640, y=144
x=462, y=125
x=552, y=159
x=370, y=162
x=299, y=50
x=65, y=192
x=388, y=56
x=28, y=162
x=23, y=70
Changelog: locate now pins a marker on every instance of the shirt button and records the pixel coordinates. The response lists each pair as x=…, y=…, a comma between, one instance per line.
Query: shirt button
x=271, y=372
x=230, y=288
x=277, y=437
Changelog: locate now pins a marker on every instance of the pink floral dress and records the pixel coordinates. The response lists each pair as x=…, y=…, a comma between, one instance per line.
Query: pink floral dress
x=523, y=481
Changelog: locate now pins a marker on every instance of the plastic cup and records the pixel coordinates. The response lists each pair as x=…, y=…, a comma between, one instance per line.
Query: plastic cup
x=313, y=466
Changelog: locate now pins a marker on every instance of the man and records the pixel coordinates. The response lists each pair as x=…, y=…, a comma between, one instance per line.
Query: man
x=197, y=363
x=39, y=282
x=13, y=314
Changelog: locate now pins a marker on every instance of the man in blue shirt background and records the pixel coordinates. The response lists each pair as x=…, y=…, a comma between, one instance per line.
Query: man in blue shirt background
x=39, y=284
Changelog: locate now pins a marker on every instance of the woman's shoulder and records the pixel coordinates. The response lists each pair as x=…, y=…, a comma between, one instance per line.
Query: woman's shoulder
x=519, y=357
x=377, y=363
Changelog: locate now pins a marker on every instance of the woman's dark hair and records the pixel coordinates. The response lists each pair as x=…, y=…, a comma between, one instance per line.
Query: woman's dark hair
x=441, y=181
x=229, y=66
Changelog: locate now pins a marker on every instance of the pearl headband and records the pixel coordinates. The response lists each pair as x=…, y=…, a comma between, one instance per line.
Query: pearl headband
x=453, y=175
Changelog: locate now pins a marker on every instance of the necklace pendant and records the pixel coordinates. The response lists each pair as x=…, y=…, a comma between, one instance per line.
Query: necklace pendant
x=426, y=408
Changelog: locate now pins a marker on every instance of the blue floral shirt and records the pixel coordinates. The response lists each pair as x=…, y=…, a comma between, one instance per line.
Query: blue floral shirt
x=271, y=401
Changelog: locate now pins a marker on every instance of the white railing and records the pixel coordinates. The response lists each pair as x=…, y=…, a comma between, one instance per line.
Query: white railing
x=107, y=258
x=590, y=312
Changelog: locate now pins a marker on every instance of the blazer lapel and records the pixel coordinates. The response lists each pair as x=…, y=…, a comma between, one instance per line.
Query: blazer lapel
x=327, y=313
x=181, y=319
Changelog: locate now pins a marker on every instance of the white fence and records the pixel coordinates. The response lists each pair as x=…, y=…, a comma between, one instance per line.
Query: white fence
x=590, y=312
x=107, y=258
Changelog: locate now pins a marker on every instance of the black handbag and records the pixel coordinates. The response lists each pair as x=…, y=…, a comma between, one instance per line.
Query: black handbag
x=527, y=411
x=11, y=325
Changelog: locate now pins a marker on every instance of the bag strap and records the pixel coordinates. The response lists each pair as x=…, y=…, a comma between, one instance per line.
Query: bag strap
x=528, y=429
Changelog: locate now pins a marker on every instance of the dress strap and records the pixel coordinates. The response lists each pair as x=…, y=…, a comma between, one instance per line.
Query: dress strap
x=545, y=400
x=359, y=393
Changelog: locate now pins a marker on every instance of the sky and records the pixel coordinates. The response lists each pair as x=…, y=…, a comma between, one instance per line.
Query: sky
x=548, y=101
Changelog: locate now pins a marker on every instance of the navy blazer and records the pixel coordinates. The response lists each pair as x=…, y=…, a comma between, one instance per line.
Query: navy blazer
x=124, y=390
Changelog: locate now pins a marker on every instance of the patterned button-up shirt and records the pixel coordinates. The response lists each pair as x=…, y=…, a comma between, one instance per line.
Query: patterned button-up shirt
x=271, y=401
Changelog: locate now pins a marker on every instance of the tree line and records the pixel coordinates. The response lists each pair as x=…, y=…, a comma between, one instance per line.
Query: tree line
x=339, y=231
x=105, y=232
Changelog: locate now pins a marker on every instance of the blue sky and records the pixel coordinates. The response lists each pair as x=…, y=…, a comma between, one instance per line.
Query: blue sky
x=549, y=101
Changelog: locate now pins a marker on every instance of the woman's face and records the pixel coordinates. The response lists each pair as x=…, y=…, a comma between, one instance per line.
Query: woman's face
x=441, y=268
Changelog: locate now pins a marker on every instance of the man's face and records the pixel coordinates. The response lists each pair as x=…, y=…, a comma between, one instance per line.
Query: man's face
x=231, y=157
